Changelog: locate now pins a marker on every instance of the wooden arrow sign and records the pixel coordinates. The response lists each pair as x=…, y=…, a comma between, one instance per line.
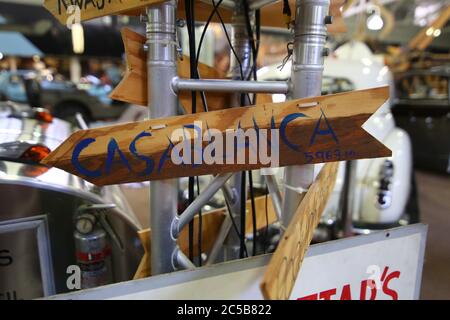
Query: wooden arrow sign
x=281, y=273
x=312, y=130
x=133, y=87
x=271, y=15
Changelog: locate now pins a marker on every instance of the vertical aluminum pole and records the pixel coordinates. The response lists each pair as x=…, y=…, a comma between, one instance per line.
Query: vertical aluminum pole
x=162, y=102
x=243, y=62
x=306, y=78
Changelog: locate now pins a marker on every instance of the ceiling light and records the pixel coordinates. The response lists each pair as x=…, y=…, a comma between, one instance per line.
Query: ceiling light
x=375, y=22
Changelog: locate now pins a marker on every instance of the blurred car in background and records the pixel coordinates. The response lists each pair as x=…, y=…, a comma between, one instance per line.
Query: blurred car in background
x=422, y=108
x=64, y=99
x=12, y=87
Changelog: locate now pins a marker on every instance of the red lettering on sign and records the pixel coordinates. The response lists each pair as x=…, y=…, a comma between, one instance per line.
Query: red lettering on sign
x=346, y=293
x=371, y=284
x=326, y=295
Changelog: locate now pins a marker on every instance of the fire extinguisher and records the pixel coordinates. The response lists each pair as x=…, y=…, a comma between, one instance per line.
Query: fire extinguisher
x=93, y=251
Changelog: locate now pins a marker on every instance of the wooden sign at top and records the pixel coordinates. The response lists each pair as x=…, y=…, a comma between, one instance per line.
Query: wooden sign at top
x=271, y=15
x=90, y=9
x=312, y=130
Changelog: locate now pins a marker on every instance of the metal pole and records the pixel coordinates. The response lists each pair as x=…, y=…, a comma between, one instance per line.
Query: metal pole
x=306, y=78
x=241, y=45
x=346, y=218
x=225, y=229
x=163, y=102
x=180, y=222
x=214, y=85
x=257, y=4
x=272, y=185
x=181, y=261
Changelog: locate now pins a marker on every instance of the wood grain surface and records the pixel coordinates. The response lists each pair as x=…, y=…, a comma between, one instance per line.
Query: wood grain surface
x=313, y=130
x=284, y=266
x=271, y=15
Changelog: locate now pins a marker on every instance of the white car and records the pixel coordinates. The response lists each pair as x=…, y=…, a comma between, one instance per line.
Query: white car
x=380, y=188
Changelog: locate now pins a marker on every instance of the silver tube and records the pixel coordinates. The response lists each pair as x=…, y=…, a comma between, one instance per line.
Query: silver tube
x=241, y=45
x=162, y=102
x=258, y=4
x=229, y=194
x=306, y=78
x=199, y=202
x=230, y=86
x=230, y=199
x=180, y=261
x=275, y=194
x=220, y=239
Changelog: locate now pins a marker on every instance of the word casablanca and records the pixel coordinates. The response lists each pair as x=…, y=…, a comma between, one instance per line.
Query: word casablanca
x=312, y=130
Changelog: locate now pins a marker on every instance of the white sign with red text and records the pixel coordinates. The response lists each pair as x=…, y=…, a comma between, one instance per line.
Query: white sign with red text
x=382, y=265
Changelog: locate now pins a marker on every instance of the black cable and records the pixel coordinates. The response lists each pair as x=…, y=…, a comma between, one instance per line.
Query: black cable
x=205, y=28
x=254, y=49
x=233, y=222
x=208, y=21
x=266, y=233
x=200, y=228
x=189, y=25
x=252, y=198
x=243, y=214
x=251, y=40
x=229, y=42
x=195, y=75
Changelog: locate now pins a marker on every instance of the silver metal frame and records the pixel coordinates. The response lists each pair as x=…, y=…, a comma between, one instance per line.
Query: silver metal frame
x=163, y=85
x=38, y=223
x=230, y=86
x=306, y=81
x=162, y=102
x=239, y=63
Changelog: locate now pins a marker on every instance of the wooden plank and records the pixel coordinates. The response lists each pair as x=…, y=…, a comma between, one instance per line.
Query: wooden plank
x=211, y=224
x=284, y=266
x=313, y=130
x=133, y=87
x=271, y=15
x=90, y=9
x=144, y=269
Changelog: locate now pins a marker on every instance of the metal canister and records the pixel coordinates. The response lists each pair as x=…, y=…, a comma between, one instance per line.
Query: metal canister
x=93, y=257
